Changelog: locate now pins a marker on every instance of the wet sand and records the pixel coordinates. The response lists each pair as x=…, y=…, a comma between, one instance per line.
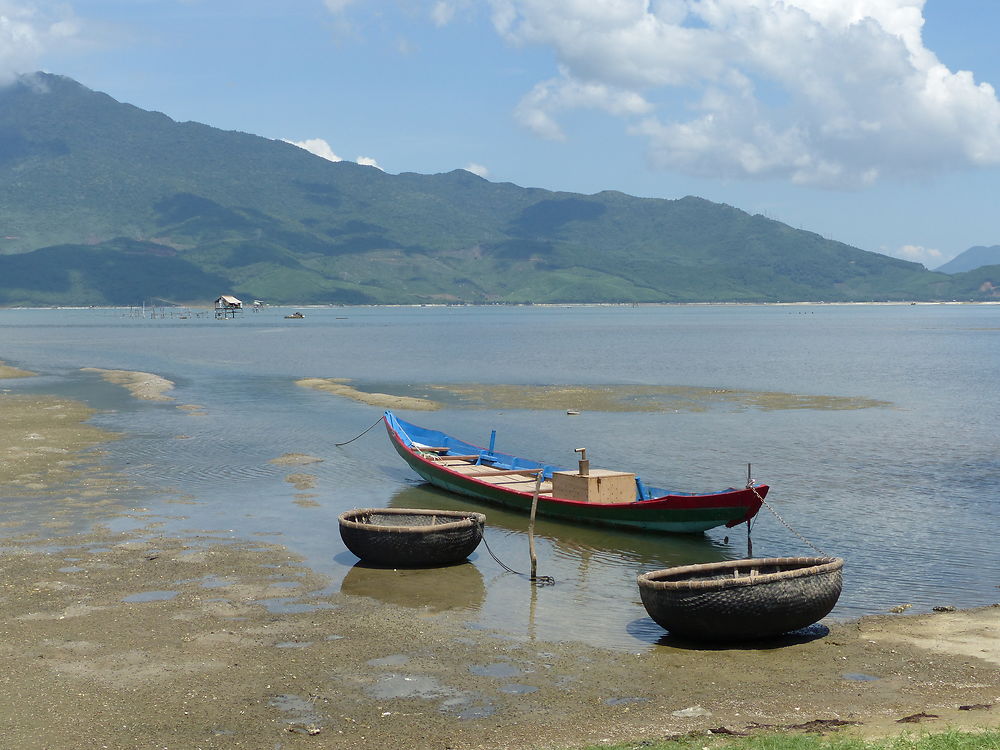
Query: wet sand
x=142, y=385
x=136, y=640
x=43, y=442
x=130, y=640
x=340, y=387
x=611, y=398
x=8, y=371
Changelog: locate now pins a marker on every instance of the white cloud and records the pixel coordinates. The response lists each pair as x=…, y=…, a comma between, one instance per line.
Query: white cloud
x=28, y=31
x=320, y=147
x=478, y=169
x=316, y=146
x=833, y=93
x=337, y=6
x=367, y=161
x=442, y=13
x=930, y=257
x=538, y=108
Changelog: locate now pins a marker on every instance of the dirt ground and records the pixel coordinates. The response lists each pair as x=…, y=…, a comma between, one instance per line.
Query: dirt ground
x=135, y=640
x=127, y=641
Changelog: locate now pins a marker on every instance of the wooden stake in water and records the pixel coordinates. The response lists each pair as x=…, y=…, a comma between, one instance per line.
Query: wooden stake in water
x=749, y=540
x=531, y=525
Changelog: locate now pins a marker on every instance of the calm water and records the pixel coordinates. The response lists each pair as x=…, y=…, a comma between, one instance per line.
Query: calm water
x=908, y=492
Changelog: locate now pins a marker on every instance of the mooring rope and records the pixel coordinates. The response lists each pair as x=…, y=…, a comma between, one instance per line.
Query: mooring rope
x=543, y=580
x=362, y=434
x=784, y=522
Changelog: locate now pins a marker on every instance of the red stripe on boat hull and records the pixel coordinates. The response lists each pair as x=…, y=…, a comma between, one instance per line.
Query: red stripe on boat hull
x=672, y=513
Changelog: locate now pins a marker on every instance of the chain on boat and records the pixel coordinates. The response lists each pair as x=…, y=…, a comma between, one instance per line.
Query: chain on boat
x=750, y=486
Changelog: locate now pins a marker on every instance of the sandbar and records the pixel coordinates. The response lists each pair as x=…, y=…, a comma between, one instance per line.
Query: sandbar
x=340, y=387
x=142, y=385
x=9, y=371
x=603, y=398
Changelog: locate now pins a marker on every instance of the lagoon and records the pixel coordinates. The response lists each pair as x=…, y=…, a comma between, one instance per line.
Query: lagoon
x=876, y=426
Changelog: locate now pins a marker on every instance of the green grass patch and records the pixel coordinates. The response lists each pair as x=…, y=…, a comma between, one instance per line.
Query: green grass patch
x=952, y=740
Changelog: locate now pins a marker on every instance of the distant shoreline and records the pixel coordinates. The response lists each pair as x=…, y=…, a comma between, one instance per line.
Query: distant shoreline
x=337, y=306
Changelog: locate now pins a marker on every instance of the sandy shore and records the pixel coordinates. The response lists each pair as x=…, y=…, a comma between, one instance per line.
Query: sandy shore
x=129, y=641
x=135, y=640
x=43, y=442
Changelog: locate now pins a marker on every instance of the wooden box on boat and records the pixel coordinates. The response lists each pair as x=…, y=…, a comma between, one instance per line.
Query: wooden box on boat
x=599, y=486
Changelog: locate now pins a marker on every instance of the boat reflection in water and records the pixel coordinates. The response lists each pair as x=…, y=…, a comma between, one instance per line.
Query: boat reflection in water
x=579, y=544
x=454, y=587
x=594, y=598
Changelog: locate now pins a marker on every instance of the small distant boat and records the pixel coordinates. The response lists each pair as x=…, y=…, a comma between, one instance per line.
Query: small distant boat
x=598, y=496
x=740, y=600
x=294, y=316
x=408, y=538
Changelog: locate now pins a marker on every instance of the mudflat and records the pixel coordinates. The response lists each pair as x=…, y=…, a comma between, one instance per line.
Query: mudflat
x=139, y=640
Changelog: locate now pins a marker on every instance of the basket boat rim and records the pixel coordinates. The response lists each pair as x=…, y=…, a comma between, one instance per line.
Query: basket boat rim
x=803, y=567
x=462, y=518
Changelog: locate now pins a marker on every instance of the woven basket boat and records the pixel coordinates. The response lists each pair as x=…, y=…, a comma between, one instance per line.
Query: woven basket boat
x=411, y=538
x=742, y=599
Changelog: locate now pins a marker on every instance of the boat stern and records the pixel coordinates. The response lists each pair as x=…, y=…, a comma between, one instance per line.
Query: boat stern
x=753, y=500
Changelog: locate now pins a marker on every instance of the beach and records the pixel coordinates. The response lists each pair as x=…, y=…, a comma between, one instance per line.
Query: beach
x=133, y=639
x=112, y=640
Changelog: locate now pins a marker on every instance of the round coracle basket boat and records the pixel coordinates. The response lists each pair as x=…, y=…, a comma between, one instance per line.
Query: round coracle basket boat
x=411, y=538
x=742, y=599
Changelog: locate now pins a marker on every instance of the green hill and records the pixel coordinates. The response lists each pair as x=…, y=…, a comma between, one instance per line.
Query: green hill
x=105, y=203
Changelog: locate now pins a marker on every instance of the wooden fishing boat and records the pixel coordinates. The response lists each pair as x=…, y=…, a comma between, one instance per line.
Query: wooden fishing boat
x=610, y=498
x=411, y=537
x=740, y=600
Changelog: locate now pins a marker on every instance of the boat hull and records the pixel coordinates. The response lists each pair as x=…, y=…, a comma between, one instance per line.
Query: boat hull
x=403, y=538
x=742, y=599
x=667, y=513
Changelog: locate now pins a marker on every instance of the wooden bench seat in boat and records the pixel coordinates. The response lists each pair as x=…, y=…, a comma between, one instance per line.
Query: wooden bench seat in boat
x=431, y=448
x=529, y=485
x=486, y=471
x=495, y=475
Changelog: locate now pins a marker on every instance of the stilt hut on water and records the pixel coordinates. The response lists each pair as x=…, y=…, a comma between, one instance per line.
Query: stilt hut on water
x=227, y=306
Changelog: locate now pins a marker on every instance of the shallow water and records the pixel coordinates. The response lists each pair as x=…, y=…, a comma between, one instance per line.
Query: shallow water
x=876, y=426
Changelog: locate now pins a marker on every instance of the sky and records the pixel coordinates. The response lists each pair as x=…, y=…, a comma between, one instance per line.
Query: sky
x=871, y=122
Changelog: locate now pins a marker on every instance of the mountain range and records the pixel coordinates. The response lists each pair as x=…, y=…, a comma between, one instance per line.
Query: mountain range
x=105, y=203
x=971, y=259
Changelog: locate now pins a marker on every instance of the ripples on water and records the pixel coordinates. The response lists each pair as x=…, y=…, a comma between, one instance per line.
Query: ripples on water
x=905, y=489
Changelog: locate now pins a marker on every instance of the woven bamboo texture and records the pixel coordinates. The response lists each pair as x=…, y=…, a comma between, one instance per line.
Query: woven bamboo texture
x=742, y=599
x=411, y=538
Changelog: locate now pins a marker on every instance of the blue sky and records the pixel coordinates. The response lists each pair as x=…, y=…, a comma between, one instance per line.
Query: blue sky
x=872, y=122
